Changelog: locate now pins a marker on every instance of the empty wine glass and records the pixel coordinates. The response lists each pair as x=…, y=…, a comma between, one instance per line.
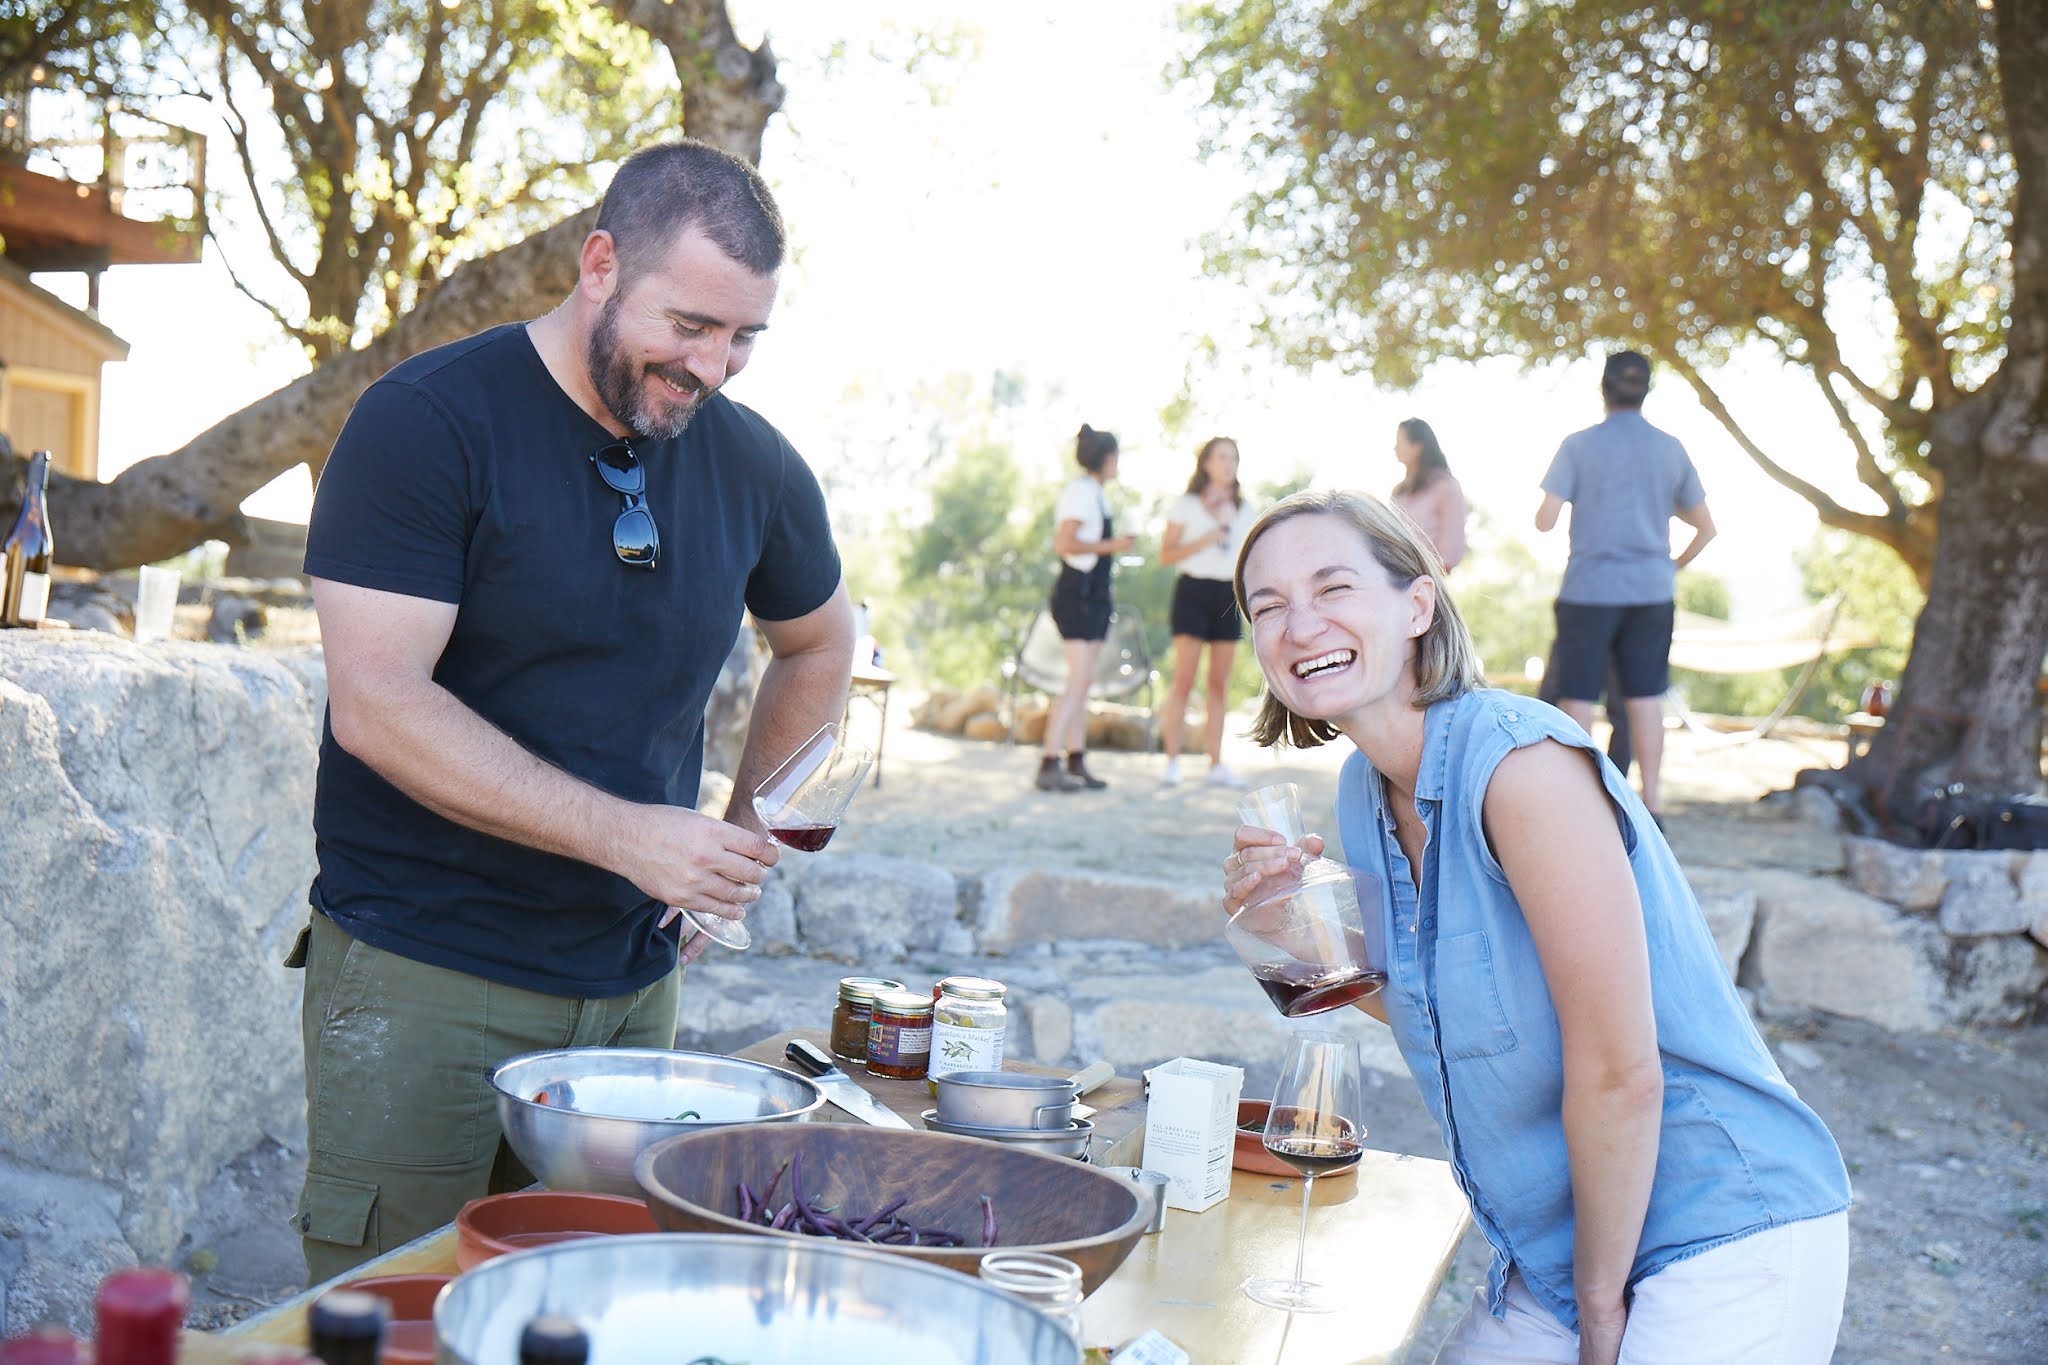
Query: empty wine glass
x=1315, y=1126
x=801, y=803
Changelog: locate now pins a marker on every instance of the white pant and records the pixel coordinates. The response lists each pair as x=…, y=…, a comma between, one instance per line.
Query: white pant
x=1772, y=1296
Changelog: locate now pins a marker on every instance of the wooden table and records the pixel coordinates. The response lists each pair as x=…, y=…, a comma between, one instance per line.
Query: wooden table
x=872, y=682
x=1385, y=1236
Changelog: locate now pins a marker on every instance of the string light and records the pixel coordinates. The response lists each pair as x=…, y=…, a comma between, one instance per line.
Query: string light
x=36, y=73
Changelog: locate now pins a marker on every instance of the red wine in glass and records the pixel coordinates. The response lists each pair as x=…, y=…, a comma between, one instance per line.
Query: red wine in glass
x=1298, y=989
x=1316, y=1155
x=804, y=838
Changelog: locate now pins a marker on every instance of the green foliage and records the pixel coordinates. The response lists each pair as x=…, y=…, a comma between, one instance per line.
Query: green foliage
x=1505, y=596
x=976, y=568
x=413, y=136
x=1880, y=599
x=84, y=45
x=1454, y=182
x=1880, y=595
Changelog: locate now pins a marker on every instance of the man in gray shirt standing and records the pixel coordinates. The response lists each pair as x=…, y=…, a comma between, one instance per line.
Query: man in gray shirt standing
x=1625, y=480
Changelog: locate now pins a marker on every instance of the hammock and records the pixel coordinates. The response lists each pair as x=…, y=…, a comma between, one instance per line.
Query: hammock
x=1786, y=639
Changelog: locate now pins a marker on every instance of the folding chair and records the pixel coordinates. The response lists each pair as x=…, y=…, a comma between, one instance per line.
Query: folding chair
x=1122, y=670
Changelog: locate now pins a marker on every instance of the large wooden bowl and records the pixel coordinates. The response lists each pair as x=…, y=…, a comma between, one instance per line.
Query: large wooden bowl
x=1042, y=1203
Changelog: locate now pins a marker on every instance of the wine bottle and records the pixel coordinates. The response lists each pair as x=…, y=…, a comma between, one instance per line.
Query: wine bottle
x=138, y=1314
x=553, y=1341
x=25, y=553
x=347, y=1327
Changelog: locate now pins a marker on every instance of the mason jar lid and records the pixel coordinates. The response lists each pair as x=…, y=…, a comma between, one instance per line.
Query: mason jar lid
x=905, y=1002
x=859, y=990
x=973, y=988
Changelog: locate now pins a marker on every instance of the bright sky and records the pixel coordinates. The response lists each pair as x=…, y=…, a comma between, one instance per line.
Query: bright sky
x=1040, y=221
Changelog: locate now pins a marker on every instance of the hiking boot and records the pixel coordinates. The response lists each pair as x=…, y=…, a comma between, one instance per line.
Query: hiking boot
x=1052, y=779
x=1077, y=771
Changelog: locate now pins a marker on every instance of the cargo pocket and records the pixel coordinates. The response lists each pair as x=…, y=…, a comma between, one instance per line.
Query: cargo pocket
x=337, y=1211
x=300, y=947
x=1469, y=1012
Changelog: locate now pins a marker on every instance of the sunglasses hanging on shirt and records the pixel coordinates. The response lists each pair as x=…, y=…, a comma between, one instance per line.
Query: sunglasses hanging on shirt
x=634, y=538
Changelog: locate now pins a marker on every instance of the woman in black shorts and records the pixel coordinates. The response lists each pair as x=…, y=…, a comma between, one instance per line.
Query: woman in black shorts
x=1203, y=528
x=1086, y=541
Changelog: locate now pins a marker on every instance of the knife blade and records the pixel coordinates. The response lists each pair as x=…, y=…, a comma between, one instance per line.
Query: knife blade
x=841, y=1088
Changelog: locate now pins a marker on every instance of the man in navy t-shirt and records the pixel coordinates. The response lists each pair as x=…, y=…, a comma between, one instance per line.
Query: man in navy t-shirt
x=531, y=552
x=1625, y=480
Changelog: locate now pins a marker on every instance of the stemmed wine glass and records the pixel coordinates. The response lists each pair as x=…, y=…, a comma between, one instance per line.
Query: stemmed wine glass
x=1314, y=1126
x=801, y=803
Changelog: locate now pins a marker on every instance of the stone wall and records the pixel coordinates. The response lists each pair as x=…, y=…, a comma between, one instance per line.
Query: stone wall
x=155, y=850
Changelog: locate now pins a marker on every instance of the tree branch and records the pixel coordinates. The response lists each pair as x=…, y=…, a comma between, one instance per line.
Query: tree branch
x=1831, y=512
x=1905, y=174
x=290, y=328
x=238, y=133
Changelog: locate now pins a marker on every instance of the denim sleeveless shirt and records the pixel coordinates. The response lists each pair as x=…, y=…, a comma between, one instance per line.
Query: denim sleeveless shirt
x=1738, y=1151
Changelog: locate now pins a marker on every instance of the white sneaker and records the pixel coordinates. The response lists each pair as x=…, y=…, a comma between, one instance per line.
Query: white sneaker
x=1221, y=776
x=1171, y=777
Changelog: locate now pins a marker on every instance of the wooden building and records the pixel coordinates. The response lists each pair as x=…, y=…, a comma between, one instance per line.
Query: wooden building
x=132, y=194
x=50, y=359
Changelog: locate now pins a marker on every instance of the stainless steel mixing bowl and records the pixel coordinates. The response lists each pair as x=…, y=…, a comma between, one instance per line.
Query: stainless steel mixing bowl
x=665, y=1299
x=598, y=1108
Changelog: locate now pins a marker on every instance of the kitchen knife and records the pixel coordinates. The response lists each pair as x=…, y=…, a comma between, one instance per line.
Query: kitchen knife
x=841, y=1088
x=1087, y=1079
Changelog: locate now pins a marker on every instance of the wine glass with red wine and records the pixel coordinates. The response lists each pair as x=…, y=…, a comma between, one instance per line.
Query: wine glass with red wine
x=1317, y=942
x=1315, y=1127
x=801, y=803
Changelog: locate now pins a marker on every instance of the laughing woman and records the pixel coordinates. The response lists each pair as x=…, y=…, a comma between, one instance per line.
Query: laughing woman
x=1653, y=1189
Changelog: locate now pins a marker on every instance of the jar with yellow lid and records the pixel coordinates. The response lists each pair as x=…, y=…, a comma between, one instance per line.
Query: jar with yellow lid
x=900, y=1036
x=852, y=1015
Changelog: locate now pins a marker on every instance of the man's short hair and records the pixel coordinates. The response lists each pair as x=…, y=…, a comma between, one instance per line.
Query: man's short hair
x=1626, y=380
x=662, y=191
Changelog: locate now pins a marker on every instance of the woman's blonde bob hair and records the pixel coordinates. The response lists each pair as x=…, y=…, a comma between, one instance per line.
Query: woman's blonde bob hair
x=1446, y=665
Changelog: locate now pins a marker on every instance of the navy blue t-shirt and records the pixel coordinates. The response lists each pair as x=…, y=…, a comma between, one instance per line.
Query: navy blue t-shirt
x=464, y=476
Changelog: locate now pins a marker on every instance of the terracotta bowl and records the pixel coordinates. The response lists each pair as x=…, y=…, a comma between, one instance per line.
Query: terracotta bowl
x=1051, y=1204
x=409, y=1336
x=1250, y=1154
x=500, y=1223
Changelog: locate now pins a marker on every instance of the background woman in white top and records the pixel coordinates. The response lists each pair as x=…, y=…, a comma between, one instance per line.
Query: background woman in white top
x=1203, y=528
x=1429, y=495
x=1086, y=540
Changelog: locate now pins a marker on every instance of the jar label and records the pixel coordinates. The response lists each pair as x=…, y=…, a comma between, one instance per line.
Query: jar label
x=955, y=1048
x=911, y=1042
x=894, y=1045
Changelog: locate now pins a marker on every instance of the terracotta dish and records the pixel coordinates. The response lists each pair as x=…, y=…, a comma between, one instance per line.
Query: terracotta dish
x=1250, y=1154
x=409, y=1336
x=500, y=1223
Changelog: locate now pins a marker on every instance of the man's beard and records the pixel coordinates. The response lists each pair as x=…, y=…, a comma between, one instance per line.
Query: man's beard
x=620, y=386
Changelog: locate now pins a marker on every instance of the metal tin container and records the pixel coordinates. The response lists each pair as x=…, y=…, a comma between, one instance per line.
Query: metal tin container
x=739, y=1297
x=1074, y=1140
x=1006, y=1099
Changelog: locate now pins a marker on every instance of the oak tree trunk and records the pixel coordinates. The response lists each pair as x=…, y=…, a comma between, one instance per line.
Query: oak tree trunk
x=1968, y=708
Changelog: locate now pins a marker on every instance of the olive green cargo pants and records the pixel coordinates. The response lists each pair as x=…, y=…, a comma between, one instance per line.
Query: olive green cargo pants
x=402, y=1124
